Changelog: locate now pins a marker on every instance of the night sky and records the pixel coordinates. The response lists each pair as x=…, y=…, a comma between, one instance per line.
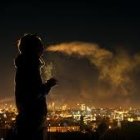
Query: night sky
x=115, y=27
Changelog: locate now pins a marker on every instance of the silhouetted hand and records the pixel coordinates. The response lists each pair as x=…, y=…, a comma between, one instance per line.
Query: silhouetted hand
x=52, y=82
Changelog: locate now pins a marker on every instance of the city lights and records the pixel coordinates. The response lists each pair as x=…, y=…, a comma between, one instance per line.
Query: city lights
x=65, y=119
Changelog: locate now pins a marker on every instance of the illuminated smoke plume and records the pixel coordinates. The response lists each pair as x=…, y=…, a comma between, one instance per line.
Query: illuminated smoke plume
x=113, y=68
x=47, y=71
x=96, y=55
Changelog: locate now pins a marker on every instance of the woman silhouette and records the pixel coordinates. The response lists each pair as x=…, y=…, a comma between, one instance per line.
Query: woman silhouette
x=29, y=90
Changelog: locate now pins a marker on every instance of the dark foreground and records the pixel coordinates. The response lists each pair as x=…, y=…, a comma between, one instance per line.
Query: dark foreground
x=110, y=135
x=128, y=131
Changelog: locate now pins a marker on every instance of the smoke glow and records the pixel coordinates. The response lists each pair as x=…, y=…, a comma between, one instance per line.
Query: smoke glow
x=115, y=69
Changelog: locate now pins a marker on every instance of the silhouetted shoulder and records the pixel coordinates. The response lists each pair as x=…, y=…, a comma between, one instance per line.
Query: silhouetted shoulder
x=21, y=61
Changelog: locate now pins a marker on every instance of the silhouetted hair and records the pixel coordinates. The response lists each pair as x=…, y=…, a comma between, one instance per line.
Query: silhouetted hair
x=30, y=44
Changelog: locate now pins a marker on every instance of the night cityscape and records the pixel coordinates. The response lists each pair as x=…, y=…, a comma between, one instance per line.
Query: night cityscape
x=83, y=70
x=89, y=121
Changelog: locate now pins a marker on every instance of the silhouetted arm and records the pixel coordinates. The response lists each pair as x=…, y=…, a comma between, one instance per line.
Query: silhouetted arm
x=48, y=85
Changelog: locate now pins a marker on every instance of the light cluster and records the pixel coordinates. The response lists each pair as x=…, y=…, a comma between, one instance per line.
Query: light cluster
x=79, y=118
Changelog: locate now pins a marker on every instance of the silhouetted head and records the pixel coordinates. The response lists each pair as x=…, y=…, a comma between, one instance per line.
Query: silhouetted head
x=31, y=44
